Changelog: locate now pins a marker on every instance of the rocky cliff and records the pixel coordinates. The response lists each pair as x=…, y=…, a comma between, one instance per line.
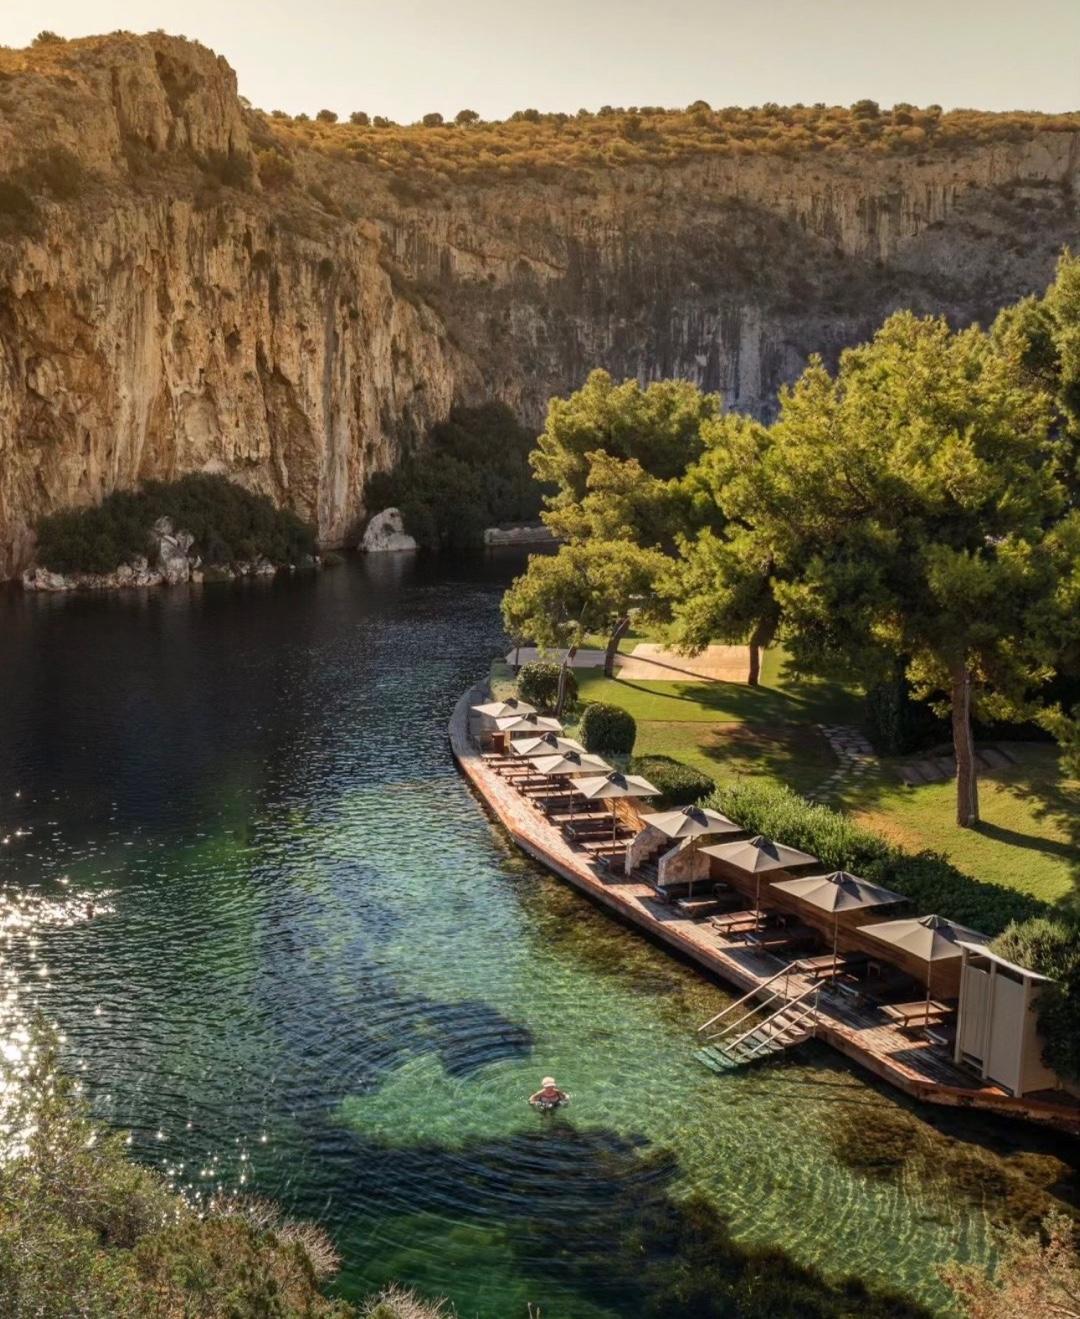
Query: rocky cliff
x=185, y=287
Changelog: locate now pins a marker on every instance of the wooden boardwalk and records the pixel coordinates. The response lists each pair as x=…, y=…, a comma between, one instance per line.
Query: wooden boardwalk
x=915, y=1066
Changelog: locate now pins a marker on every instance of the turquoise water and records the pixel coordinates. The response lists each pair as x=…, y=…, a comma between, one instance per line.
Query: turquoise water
x=315, y=970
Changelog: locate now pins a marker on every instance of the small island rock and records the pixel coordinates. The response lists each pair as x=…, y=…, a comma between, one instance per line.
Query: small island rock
x=386, y=531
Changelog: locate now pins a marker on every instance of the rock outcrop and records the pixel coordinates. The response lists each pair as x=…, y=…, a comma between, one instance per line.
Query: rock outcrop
x=167, y=307
x=386, y=533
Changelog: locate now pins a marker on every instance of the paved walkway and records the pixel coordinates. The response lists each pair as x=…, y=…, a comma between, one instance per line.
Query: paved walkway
x=855, y=756
x=650, y=662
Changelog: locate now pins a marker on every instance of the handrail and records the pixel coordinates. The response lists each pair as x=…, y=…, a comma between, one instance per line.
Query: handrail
x=788, y=1003
x=807, y=1010
x=784, y=970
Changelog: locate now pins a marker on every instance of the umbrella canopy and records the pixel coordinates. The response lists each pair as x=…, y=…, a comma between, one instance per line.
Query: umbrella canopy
x=929, y=938
x=528, y=723
x=616, y=785
x=547, y=744
x=758, y=855
x=570, y=762
x=504, y=709
x=838, y=892
x=691, y=822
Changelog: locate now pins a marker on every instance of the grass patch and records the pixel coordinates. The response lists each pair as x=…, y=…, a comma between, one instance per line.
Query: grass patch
x=794, y=754
x=778, y=701
x=1029, y=838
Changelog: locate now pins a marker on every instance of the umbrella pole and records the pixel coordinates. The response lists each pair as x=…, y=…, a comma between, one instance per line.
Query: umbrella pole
x=757, y=904
x=929, y=973
x=835, y=941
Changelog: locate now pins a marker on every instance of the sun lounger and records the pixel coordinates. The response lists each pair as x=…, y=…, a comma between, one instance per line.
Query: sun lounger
x=698, y=907
x=826, y=967
x=780, y=941
x=738, y=922
x=912, y=1016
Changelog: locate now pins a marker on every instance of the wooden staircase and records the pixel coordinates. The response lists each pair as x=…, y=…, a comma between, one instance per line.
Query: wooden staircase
x=751, y=1036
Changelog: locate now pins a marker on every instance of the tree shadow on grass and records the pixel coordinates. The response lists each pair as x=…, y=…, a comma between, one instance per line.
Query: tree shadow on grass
x=1035, y=780
x=796, y=702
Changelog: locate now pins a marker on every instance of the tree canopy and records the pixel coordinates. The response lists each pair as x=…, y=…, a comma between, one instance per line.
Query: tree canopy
x=913, y=512
x=915, y=507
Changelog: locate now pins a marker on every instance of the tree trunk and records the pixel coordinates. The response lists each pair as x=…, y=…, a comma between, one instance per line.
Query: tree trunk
x=759, y=638
x=564, y=672
x=967, y=783
x=621, y=628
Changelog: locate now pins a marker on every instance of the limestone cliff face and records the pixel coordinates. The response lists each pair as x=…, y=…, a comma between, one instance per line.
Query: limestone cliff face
x=161, y=313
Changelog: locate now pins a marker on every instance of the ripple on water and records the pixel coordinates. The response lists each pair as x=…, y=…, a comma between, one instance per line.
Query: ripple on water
x=314, y=969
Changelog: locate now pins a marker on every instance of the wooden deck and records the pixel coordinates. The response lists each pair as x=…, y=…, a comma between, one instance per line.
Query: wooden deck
x=915, y=1066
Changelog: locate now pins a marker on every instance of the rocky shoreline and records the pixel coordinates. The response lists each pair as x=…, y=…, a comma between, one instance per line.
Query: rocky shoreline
x=169, y=563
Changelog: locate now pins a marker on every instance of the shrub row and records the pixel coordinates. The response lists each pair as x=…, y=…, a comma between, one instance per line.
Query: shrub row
x=930, y=882
x=679, y=784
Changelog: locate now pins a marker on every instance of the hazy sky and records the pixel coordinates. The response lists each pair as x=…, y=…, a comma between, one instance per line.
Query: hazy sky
x=404, y=57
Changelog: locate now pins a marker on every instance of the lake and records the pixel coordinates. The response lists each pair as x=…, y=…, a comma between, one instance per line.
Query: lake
x=292, y=955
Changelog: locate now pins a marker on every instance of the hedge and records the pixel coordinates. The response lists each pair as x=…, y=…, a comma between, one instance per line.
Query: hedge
x=930, y=882
x=679, y=784
x=538, y=683
x=1051, y=946
x=607, y=728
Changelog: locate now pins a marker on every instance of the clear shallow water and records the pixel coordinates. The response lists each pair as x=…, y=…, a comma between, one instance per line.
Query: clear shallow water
x=315, y=970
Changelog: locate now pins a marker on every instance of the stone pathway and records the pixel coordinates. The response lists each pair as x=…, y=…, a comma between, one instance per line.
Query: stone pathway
x=855, y=754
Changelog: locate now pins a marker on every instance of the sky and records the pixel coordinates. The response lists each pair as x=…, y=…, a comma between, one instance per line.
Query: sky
x=403, y=58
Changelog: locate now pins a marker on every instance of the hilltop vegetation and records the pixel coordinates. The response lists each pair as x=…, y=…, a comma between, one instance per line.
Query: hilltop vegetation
x=529, y=141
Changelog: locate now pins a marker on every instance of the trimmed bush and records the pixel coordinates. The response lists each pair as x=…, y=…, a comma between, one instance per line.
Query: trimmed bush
x=607, y=729
x=930, y=882
x=1051, y=946
x=538, y=683
x=681, y=785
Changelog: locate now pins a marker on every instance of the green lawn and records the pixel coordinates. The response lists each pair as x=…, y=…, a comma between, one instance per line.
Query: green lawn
x=795, y=754
x=1029, y=837
x=777, y=700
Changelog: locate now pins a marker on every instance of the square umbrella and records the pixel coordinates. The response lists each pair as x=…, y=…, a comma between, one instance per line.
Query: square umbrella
x=691, y=822
x=613, y=786
x=838, y=892
x=504, y=709
x=545, y=744
x=567, y=765
x=757, y=856
x=929, y=938
x=528, y=723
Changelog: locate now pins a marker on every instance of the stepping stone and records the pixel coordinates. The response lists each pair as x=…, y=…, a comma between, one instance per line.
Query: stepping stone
x=930, y=771
x=911, y=776
x=995, y=758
